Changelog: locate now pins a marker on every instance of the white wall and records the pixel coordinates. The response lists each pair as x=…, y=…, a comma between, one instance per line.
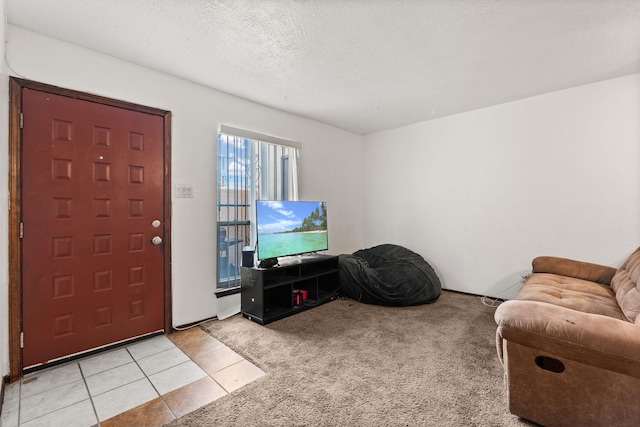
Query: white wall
x=480, y=194
x=328, y=158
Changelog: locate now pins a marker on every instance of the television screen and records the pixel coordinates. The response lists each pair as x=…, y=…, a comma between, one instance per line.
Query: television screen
x=290, y=228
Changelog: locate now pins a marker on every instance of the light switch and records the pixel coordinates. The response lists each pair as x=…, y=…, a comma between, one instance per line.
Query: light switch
x=184, y=191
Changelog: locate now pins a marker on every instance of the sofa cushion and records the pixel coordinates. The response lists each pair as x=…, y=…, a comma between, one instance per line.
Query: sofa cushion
x=569, y=292
x=625, y=286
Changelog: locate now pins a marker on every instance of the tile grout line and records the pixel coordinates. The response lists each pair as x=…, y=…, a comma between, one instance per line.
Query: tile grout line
x=84, y=379
x=146, y=376
x=151, y=382
x=45, y=391
x=19, y=402
x=198, y=365
x=233, y=364
x=210, y=375
x=134, y=360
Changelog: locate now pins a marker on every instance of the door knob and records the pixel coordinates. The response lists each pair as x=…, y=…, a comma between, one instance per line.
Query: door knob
x=156, y=223
x=156, y=240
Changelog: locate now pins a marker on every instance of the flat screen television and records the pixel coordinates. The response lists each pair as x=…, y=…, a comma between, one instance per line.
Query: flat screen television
x=287, y=228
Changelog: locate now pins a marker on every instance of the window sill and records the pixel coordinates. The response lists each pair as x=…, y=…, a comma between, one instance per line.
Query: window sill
x=226, y=292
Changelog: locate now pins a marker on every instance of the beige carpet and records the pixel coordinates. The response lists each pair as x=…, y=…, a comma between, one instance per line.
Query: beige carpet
x=351, y=364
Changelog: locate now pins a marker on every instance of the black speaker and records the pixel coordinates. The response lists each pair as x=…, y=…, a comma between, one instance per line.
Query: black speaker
x=247, y=257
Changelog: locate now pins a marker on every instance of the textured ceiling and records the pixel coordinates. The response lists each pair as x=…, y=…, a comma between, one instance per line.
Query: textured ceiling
x=360, y=65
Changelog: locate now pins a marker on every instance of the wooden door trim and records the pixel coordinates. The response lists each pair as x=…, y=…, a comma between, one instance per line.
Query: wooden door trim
x=16, y=87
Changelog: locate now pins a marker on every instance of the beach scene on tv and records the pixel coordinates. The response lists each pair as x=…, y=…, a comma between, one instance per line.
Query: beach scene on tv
x=291, y=228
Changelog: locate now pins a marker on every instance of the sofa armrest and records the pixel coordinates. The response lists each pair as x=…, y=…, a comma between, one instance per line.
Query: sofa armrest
x=592, y=339
x=571, y=268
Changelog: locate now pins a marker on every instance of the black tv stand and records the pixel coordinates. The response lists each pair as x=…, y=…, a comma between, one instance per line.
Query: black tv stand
x=269, y=294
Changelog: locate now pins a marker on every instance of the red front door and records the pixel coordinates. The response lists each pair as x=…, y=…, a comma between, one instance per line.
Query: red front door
x=92, y=202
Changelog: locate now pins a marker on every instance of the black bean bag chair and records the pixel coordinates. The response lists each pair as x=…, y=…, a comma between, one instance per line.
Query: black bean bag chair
x=388, y=275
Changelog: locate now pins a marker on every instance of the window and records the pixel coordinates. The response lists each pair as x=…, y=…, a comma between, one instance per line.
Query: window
x=250, y=167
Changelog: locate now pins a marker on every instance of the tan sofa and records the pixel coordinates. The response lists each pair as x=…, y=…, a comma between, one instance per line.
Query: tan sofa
x=570, y=344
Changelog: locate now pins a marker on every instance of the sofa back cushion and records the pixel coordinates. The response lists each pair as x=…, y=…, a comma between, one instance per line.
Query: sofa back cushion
x=625, y=285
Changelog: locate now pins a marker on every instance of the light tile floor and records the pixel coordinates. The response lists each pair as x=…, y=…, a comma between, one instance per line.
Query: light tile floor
x=148, y=383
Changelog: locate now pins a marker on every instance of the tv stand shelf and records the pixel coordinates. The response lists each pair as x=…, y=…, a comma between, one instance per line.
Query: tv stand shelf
x=267, y=294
